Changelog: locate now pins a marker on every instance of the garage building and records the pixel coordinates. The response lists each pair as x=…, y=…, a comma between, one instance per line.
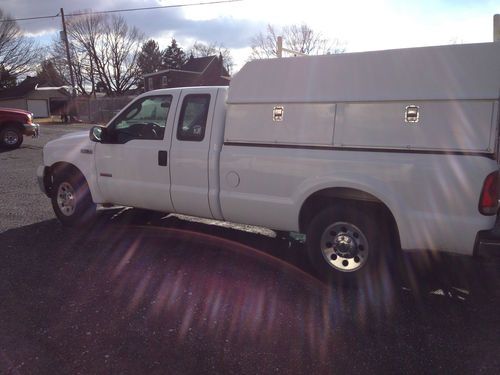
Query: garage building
x=30, y=96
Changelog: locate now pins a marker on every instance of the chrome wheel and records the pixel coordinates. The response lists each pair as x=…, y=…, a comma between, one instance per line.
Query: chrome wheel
x=66, y=200
x=344, y=247
x=10, y=137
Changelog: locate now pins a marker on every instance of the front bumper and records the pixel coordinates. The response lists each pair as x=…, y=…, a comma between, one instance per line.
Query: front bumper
x=32, y=129
x=43, y=177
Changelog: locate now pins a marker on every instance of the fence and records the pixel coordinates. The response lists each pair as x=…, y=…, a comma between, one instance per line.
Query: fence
x=100, y=110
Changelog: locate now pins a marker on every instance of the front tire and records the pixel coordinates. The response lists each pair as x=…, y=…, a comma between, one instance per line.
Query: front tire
x=350, y=245
x=71, y=200
x=11, y=137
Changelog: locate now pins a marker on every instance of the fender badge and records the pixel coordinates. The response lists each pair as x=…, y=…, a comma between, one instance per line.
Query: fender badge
x=86, y=151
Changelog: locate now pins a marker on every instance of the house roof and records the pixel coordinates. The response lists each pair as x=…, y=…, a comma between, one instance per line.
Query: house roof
x=195, y=65
x=20, y=90
x=24, y=88
x=198, y=64
x=179, y=77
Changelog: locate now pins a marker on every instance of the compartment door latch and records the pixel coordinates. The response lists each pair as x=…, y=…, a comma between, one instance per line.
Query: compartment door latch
x=278, y=113
x=412, y=114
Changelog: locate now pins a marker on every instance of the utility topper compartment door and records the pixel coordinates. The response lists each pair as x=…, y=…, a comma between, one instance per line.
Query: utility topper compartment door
x=288, y=123
x=458, y=125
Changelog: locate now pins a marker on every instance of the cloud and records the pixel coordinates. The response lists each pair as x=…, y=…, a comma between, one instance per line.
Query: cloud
x=230, y=32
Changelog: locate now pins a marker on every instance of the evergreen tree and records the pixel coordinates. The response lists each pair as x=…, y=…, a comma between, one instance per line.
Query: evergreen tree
x=48, y=75
x=173, y=57
x=6, y=78
x=150, y=57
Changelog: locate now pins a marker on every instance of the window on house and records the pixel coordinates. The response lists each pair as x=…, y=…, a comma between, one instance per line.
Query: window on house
x=150, y=83
x=193, y=118
x=164, y=81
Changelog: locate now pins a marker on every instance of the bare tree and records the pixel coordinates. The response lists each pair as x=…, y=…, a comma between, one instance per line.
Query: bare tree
x=264, y=44
x=104, y=50
x=299, y=38
x=17, y=52
x=201, y=50
x=83, y=73
x=122, y=45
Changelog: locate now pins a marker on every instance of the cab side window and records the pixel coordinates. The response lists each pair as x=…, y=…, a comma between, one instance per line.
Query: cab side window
x=193, y=117
x=144, y=119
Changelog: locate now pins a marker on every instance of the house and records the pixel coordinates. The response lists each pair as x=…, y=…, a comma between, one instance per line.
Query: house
x=200, y=71
x=30, y=95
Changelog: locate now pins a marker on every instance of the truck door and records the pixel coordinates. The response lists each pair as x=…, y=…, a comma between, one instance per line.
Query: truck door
x=132, y=167
x=189, y=152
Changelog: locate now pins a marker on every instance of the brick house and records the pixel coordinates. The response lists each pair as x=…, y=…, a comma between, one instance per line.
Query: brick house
x=200, y=71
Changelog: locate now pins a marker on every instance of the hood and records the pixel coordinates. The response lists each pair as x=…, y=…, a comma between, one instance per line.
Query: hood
x=71, y=140
x=14, y=111
x=78, y=135
x=73, y=148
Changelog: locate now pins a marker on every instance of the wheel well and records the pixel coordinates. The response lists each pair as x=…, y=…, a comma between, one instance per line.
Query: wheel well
x=363, y=200
x=15, y=124
x=60, y=168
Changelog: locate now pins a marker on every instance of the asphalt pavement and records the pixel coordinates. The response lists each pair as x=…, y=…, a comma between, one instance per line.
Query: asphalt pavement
x=173, y=295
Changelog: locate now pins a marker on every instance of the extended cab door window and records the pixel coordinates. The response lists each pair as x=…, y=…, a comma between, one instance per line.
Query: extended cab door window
x=193, y=117
x=144, y=119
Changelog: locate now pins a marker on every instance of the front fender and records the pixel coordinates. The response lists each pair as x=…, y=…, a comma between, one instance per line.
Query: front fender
x=78, y=151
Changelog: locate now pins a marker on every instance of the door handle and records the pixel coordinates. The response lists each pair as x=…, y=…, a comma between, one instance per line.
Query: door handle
x=162, y=158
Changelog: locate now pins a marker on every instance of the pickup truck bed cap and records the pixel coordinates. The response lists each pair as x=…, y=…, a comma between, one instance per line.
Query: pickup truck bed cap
x=454, y=72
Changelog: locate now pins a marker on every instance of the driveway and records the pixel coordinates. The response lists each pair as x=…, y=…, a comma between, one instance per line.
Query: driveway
x=128, y=296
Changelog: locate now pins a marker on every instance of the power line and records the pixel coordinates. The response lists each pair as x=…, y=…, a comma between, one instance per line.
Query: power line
x=124, y=10
x=157, y=7
x=27, y=18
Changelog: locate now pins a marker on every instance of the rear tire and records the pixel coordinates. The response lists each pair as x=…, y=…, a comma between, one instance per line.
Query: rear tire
x=11, y=137
x=351, y=246
x=71, y=200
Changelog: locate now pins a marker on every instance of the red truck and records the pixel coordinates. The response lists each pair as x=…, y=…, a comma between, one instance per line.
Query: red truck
x=14, y=124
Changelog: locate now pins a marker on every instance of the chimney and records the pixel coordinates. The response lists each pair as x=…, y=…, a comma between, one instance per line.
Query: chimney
x=221, y=65
x=496, y=28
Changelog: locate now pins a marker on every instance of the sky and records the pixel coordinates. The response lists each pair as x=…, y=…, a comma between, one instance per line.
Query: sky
x=362, y=25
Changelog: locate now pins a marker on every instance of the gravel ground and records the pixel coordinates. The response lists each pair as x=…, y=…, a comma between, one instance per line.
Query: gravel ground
x=127, y=296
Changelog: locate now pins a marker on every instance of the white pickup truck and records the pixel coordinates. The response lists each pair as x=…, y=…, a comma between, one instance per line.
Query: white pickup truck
x=357, y=151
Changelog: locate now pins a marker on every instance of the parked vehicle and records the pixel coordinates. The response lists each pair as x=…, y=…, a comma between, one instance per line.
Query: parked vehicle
x=358, y=151
x=14, y=124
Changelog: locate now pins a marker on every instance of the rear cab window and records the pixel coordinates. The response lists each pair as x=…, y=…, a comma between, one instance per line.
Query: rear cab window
x=193, y=117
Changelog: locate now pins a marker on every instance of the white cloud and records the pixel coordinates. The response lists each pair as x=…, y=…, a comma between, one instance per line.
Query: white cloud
x=362, y=24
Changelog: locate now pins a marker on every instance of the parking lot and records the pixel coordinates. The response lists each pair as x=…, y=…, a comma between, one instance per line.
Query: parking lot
x=129, y=296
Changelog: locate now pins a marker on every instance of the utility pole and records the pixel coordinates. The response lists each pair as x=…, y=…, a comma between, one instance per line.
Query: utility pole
x=496, y=28
x=280, y=49
x=68, y=55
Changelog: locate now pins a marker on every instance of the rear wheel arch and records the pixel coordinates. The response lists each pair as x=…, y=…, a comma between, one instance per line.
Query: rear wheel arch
x=352, y=238
x=324, y=198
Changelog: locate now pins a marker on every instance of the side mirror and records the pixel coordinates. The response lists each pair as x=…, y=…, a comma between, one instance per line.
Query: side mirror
x=98, y=134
